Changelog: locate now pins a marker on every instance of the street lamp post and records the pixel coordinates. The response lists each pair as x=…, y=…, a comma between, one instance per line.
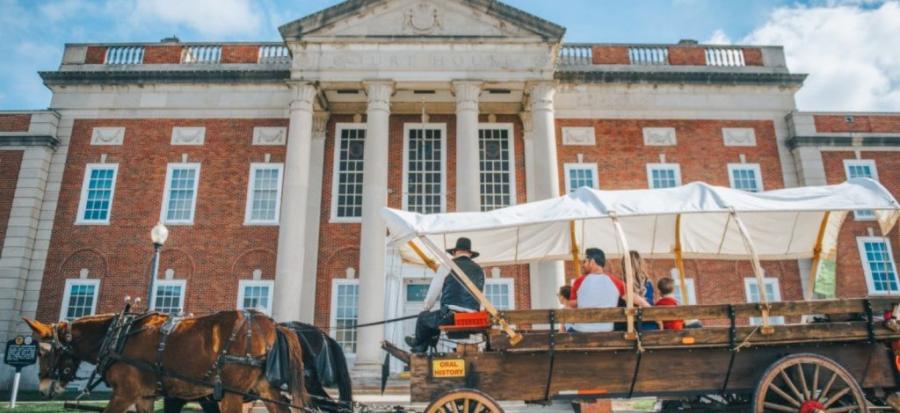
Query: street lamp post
x=158, y=235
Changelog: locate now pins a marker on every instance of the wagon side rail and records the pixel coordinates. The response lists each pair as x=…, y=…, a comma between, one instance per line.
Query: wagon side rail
x=706, y=312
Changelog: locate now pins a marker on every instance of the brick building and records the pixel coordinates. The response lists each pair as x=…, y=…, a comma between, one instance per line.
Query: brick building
x=269, y=163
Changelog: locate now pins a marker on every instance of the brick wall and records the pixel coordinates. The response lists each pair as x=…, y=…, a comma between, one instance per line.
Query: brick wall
x=687, y=55
x=753, y=56
x=162, y=54
x=860, y=123
x=240, y=53
x=610, y=55
x=212, y=254
x=18, y=122
x=10, y=163
x=95, y=55
x=851, y=281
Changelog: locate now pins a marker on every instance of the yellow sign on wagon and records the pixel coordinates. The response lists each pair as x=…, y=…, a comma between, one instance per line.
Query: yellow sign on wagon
x=448, y=368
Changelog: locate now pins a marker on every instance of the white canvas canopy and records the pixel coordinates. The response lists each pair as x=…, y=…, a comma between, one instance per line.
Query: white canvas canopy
x=782, y=224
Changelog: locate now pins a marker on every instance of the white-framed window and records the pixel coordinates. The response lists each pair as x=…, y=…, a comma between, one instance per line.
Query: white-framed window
x=79, y=298
x=878, y=264
x=347, y=176
x=663, y=175
x=255, y=295
x=264, y=194
x=168, y=296
x=501, y=292
x=424, y=167
x=861, y=168
x=180, y=195
x=344, y=312
x=579, y=175
x=745, y=176
x=773, y=293
x=97, y=193
x=689, y=284
x=497, y=165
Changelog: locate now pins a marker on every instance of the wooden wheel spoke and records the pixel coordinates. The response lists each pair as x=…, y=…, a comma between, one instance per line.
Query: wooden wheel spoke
x=455, y=406
x=780, y=407
x=790, y=384
x=837, y=396
x=802, y=377
x=466, y=406
x=815, y=383
x=784, y=395
x=478, y=407
x=843, y=409
x=827, y=388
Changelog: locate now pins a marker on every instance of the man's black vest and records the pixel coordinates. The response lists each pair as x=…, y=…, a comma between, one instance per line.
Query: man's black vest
x=455, y=293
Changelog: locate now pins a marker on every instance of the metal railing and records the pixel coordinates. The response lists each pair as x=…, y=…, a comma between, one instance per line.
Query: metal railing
x=725, y=56
x=202, y=54
x=650, y=55
x=574, y=54
x=124, y=55
x=274, y=54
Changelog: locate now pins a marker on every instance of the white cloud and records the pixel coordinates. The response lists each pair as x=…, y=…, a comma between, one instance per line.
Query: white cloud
x=718, y=37
x=207, y=17
x=848, y=48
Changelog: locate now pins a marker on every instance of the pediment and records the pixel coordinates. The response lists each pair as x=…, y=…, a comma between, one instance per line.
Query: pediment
x=398, y=19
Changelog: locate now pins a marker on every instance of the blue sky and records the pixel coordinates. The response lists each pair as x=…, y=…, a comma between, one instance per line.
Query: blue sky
x=847, y=46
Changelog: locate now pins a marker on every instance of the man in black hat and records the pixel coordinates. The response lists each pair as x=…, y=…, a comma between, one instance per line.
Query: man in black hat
x=453, y=294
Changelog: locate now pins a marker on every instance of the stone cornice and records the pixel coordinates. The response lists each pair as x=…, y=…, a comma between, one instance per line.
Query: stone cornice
x=698, y=77
x=28, y=140
x=844, y=141
x=65, y=78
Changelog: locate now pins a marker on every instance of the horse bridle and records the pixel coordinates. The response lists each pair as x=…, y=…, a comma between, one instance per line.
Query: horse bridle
x=62, y=350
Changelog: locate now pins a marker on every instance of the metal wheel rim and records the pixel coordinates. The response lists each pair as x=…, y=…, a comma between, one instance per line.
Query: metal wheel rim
x=808, y=383
x=464, y=401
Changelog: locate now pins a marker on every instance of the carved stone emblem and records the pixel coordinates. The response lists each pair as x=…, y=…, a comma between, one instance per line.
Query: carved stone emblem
x=423, y=18
x=659, y=137
x=188, y=135
x=739, y=136
x=268, y=135
x=579, y=136
x=108, y=136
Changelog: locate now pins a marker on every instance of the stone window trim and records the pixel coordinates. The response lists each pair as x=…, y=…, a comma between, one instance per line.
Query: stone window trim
x=182, y=284
x=335, y=284
x=339, y=128
x=591, y=167
x=757, y=174
x=85, y=189
x=676, y=168
x=72, y=282
x=508, y=127
x=242, y=290
x=510, y=284
x=251, y=183
x=867, y=269
x=750, y=282
x=407, y=128
x=850, y=164
x=168, y=189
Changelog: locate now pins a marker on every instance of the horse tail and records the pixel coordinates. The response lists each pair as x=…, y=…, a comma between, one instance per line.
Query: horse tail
x=298, y=387
x=341, y=371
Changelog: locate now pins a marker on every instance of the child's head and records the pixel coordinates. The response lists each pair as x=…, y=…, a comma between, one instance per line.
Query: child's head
x=564, y=293
x=666, y=286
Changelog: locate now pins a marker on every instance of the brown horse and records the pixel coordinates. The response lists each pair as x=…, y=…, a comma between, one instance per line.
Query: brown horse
x=192, y=349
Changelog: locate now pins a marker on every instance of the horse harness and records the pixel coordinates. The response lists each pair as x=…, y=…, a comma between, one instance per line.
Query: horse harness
x=121, y=329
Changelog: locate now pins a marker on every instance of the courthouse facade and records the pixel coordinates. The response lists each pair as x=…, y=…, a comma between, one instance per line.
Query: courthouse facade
x=269, y=162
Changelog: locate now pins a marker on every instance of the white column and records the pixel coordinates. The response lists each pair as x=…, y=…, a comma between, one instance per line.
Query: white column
x=313, y=211
x=528, y=138
x=468, y=183
x=549, y=276
x=289, y=274
x=372, y=239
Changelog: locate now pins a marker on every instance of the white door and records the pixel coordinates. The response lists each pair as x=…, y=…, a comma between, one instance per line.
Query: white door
x=414, y=291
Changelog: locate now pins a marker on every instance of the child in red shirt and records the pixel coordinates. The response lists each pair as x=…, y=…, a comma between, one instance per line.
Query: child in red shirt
x=666, y=287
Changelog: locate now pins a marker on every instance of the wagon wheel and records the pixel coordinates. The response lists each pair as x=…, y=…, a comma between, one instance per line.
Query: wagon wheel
x=808, y=383
x=464, y=401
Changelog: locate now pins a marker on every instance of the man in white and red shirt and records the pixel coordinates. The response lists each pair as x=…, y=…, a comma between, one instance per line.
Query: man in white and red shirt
x=596, y=289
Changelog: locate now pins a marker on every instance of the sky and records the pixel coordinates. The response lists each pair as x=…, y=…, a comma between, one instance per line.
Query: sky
x=849, y=48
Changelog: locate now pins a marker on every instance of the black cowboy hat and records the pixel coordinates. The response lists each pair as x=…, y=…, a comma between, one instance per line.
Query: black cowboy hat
x=464, y=244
